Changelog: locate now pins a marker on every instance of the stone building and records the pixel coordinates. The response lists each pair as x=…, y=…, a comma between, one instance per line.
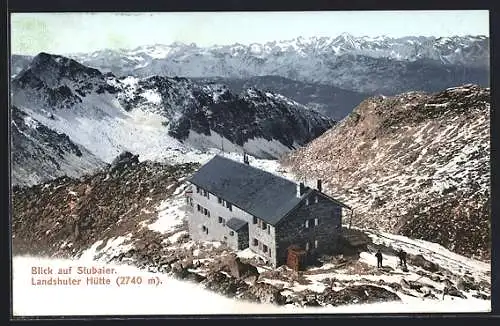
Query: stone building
x=246, y=207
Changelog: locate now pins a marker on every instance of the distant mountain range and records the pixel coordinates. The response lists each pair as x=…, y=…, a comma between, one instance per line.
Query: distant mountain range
x=362, y=64
x=331, y=74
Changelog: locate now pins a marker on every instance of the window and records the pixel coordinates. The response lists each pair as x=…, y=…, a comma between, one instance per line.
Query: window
x=264, y=248
x=264, y=225
x=225, y=238
x=219, y=200
x=307, y=223
x=205, y=229
x=307, y=245
x=231, y=233
x=255, y=220
x=307, y=201
x=198, y=189
x=208, y=213
x=228, y=205
x=205, y=211
x=221, y=220
x=255, y=242
x=268, y=229
x=316, y=199
x=316, y=221
x=269, y=252
x=315, y=243
x=198, y=207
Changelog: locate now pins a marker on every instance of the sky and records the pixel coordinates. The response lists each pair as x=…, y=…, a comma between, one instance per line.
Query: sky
x=65, y=33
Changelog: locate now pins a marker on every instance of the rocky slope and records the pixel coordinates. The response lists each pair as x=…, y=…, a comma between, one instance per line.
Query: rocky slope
x=416, y=164
x=66, y=215
x=331, y=101
x=39, y=154
x=155, y=117
x=253, y=119
x=362, y=64
x=134, y=213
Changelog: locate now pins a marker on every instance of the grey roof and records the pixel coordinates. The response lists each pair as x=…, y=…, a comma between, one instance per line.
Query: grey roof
x=235, y=224
x=255, y=191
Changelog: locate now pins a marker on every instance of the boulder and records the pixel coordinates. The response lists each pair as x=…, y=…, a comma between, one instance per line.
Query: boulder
x=435, y=278
x=428, y=294
x=264, y=293
x=467, y=283
x=178, y=270
x=481, y=296
x=125, y=159
x=241, y=270
x=484, y=285
x=223, y=284
x=420, y=261
x=357, y=294
x=453, y=291
x=395, y=286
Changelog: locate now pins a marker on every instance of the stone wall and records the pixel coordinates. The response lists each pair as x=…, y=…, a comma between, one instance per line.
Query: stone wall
x=325, y=235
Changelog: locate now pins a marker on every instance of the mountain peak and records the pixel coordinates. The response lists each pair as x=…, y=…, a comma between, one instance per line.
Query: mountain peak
x=50, y=68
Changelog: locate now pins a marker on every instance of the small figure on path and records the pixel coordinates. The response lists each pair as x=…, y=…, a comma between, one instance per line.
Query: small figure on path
x=402, y=258
x=379, y=258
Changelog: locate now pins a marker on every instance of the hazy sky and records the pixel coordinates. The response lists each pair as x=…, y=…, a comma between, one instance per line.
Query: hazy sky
x=63, y=33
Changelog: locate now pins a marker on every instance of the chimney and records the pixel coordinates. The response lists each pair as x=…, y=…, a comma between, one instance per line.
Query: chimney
x=319, y=185
x=300, y=189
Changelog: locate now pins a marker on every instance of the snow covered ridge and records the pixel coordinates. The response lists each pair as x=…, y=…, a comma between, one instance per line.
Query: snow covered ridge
x=158, y=117
x=360, y=64
x=416, y=164
x=455, y=49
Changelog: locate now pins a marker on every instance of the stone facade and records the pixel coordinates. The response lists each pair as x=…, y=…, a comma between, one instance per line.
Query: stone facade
x=314, y=225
